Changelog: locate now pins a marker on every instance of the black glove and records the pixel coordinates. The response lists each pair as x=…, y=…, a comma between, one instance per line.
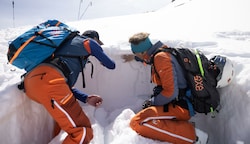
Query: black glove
x=146, y=104
x=157, y=90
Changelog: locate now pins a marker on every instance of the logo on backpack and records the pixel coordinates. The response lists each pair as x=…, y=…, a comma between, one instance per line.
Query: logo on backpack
x=198, y=83
x=38, y=44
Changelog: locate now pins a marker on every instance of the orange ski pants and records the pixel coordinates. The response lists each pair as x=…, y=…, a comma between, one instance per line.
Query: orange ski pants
x=46, y=85
x=171, y=126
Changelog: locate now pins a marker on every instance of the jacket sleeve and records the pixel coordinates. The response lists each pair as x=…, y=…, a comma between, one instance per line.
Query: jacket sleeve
x=97, y=51
x=79, y=95
x=167, y=74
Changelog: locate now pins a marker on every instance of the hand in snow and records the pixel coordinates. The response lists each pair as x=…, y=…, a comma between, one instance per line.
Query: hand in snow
x=127, y=57
x=94, y=100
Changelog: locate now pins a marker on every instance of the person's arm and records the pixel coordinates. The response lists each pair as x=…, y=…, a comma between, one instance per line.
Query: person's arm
x=128, y=57
x=97, y=51
x=80, y=95
x=93, y=100
x=166, y=72
x=131, y=57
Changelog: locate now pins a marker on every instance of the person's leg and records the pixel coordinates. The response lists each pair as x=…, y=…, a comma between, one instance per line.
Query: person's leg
x=47, y=86
x=57, y=129
x=171, y=126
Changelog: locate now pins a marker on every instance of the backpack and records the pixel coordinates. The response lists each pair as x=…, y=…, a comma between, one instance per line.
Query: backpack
x=201, y=91
x=38, y=44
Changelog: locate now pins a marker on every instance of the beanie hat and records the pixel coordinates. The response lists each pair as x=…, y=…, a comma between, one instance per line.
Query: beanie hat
x=141, y=46
x=93, y=34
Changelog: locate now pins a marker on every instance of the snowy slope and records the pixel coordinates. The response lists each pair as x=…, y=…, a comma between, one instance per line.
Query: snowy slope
x=214, y=27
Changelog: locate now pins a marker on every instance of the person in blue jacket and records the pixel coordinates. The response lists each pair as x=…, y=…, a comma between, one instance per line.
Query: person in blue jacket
x=52, y=85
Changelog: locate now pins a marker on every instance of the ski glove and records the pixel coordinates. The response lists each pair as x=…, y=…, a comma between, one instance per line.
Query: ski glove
x=156, y=91
x=146, y=104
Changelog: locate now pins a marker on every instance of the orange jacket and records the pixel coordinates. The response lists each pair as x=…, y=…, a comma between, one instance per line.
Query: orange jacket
x=167, y=73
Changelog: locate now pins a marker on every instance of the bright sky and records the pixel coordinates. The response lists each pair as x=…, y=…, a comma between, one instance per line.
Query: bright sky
x=31, y=11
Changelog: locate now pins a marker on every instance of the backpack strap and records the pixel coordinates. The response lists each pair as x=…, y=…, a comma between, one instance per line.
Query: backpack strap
x=58, y=23
x=199, y=62
x=88, y=49
x=187, y=98
x=21, y=85
x=81, y=58
x=164, y=48
x=92, y=70
x=22, y=47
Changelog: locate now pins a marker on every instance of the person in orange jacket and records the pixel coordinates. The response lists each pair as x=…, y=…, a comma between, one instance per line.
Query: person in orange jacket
x=52, y=85
x=165, y=116
x=161, y=118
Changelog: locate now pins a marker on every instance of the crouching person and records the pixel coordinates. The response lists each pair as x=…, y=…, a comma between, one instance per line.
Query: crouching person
x=165, y=116
x=51, y=84
x=161, y=119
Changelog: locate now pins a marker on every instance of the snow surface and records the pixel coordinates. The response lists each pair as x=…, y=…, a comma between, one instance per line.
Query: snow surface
x=214, y=27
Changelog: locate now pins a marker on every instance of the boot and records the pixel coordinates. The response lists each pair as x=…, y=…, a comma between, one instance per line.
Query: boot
x=202, y=137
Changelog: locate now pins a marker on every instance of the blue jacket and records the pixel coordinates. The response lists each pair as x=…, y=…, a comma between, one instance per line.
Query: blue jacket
x=82, y=47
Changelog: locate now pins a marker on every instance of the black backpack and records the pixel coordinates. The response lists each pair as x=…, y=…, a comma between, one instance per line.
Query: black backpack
x=204, y=96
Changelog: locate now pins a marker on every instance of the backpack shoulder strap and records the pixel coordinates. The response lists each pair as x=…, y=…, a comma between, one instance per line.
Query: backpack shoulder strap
x=164, y=48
